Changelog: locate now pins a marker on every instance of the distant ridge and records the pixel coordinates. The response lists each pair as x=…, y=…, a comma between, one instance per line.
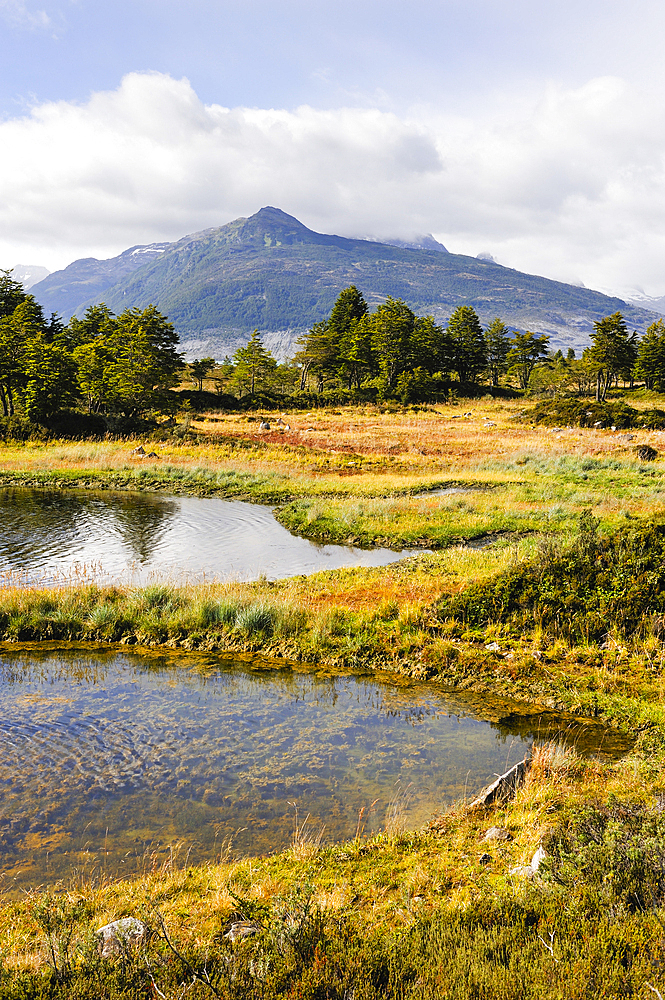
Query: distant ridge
x=271, y=272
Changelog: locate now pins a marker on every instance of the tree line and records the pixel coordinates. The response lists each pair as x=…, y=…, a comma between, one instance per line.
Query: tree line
x=392, y=351
x=128, y=364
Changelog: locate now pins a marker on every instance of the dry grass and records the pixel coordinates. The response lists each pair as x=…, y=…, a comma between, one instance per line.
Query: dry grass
x=383, y=880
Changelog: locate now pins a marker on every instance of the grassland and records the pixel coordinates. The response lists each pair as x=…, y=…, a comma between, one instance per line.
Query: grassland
x=407, y=913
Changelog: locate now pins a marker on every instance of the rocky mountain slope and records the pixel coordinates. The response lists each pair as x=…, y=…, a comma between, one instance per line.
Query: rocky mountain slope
x=272, y=272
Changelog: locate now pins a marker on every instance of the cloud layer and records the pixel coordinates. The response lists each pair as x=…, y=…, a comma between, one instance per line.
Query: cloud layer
x=570, y=184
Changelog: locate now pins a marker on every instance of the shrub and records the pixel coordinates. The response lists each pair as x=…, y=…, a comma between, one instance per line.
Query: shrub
x=600, y=583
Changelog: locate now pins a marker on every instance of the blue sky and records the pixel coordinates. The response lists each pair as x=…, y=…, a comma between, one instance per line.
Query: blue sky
x=532, y=131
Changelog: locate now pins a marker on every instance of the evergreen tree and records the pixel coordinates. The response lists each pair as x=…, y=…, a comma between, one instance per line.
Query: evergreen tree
x=431, y=347
x=498, y=346
x=613, y=352
x=526, y=350
x=11, y=293
x=393, y=326
x=253, y=364
x=469, y=358
x=650, y=363
x=199, y=370
x=319, y=354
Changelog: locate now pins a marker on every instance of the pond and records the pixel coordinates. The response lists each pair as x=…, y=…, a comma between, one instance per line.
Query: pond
x=52, y=536
x=107, y=760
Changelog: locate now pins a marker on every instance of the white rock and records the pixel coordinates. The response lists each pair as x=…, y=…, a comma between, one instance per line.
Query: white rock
x=241, y=929
x=120, y=935
x=537, y=858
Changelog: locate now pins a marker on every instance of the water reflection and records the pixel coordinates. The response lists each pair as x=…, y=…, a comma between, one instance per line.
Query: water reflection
x=103, y=756
x=47, y=534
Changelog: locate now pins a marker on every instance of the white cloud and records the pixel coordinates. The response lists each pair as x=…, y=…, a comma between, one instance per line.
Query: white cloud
x=571, y=185
x=17, y=13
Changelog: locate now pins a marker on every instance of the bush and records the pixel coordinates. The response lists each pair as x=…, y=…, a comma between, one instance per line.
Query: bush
x=588, y=413
x=600, y=583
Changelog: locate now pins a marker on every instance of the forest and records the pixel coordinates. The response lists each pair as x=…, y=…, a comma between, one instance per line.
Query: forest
x=112, y=369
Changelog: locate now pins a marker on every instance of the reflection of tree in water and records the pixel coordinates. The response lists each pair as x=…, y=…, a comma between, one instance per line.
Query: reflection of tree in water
x=142, y=521
x=38, y=525
x=586, y=735
x=36, y=522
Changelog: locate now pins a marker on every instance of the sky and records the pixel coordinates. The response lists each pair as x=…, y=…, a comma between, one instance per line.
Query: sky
x=531, y=131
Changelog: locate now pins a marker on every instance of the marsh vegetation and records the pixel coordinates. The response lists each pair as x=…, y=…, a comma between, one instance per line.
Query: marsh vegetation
x=560, y=611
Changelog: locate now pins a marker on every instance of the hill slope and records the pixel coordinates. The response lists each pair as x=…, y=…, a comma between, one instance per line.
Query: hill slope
x=269, y=271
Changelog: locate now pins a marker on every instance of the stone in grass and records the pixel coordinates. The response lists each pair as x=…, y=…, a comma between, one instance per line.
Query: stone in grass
x=646, y=453
x=528, y=871
x=498, y=833
x=117, y=937
x=484, y=859
x=241, y=929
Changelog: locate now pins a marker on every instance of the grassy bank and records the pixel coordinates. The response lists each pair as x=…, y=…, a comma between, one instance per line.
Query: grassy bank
x=366, y=476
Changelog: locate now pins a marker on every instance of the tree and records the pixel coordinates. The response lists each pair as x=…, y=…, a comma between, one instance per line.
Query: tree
x=526, y=349
x=469, y=357
x=11, y=293
x=319, y=354
x=18, y=329
x=498, y=346
x=199, y=370
x=393, y=326
x=253, y=364
x=431, y=347
x=126, y=363
x=51, y=382
x=650, y=363
x=613, y=352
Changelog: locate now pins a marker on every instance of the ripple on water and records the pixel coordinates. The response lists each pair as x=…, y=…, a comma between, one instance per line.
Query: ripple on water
x=46, y=534
x=105, y=755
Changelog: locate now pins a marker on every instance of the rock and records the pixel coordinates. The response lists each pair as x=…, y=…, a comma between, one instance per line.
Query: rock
x=493, y=647
x=498, y=833
x=241, y=929
x=120, y=935
x=137, y=451
x=504, y=786
x=528, y=871
x=468, y=414
x=264, y=426
x=484, y=859
x=599, y=424
x=279, y=422
x=646, y=453
x=537, y=858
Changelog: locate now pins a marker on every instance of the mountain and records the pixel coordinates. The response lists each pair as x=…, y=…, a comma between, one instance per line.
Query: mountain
x=271, y=272
x=29, y=274
x=426, y=242
x=83, y=281
x=639, y=298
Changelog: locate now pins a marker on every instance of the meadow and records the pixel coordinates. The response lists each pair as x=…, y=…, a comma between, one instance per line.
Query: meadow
x=544, y=587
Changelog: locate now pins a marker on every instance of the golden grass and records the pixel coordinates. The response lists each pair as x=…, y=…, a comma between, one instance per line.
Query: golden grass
x=384, y=880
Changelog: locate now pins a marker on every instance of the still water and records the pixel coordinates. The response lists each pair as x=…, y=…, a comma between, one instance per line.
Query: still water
x=49, y=536
x=107, y=759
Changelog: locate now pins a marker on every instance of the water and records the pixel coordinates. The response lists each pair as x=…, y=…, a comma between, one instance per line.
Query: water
x=108, y=759
x=49, y=536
